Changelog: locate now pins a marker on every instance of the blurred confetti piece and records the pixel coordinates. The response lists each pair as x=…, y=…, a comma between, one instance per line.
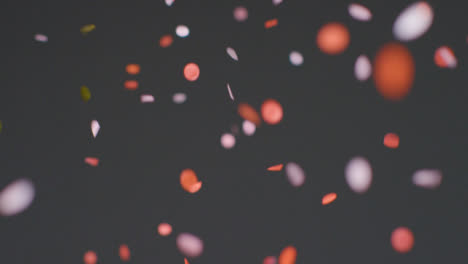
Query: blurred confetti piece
x=272, y=111
x=186, y=261
x=362, y=68
x=166, y=41
x=277, y=167
x=232, y=53
x=164, y=229
x=1, y=126
x=445, y=58
x=131, y=85
x=247, y=112
x=271, y=23
x=288, y=255
x=427, y=178
x=191, y=71
x=277, y=2
x=402, y=239
x=296, y=58
x=240, y=14
x=359, y=12
x=189, y=245
x=182, y=31
x=189, y=181
x=41, y=38
x=230, y=92
x=95, y=127
x=169, y=2
x=90, y=257
x=85, y=93
x=393, y=71
x=295, y=174
x=124, y=253
x=413, y=21
x=269, y=260
x=328, y=198
x=132, y=68
x=87, y=28
x=228, y=141
x=333, y=38
x=91, y=161
x=358, y=174
x=146, y=98
x=179, y=98
x=16, y=197
x=391, y=140
x=248, y=128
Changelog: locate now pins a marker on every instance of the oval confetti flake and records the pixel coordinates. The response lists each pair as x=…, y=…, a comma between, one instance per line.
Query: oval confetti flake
x=230, y=92
x=248, y=128
x=228, y=141
x=41, y=38
x=164, y=229
x=87, y=28
x=272, y=111
x=277, y=2
x=288, y=255
x=391, y=140
x=402, y=240
x=131, y=85
x=124, y=253
x=166, y=41
x=240, y=14
x=445, y=58
x=189, y=181
x=169, y=2
x=269, y=260
x=232, y=53
x=85, y=93
x=358, y=174
x=296, y=58
x=249, y=113
x=362, y=68
x=393, y=71
x=271, y=23
x=179, y=98
x=427, y=178
x=277, y=167
x=413, y=21
x=329, y=198
x=191, y=71
x=146, y=98
x=16, y=197
x=295, y=174
x=95, y=127
x=90, y=257
x=133, y=69
x=333, y=38
x=91, y=161
x=182, y=31
x=359, y=12
x=189, y=245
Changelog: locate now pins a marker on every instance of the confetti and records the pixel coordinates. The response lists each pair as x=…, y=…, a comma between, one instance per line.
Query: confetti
x=169, y=2
x=87, y=28
x=166, y=41
x=182, y=31
x=358, y=174
x=362, y=68
x=146, y=98
x=269, y=260
x=427, y=178
x=241, y=14
x=85, y=93
x=413, y=21
x=247, y=112
x=248, y=128
x=16, y=197
x=189, y=245
x=328, y=198
x=288, y=255
x=131, y=85
x=230, y=92
x=179, y=98
x=91, y=161
x=186, y=261
x=232, y=53
x=277, y=2
x=393, y=71
x=359, y=12
x=191, y=71
x=132, y=69
x=124, y=253
x=189, y=181
x=445, y=58
x=272, y=111
x=391, y=140
x=164, y=229
x=295, y=174
x=402, y=239
x=90, y=257
x=95, y=128
x=271, y=23
x=277, y=167
x=228, y=141
x=41, y=38
x=333, y=38
x=296, y=58
x=1, y=126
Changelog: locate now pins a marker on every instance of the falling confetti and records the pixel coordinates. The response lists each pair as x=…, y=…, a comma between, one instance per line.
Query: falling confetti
x=182, y=31
x=248, y=128
x=191, y=71
x=393, y=71
x=277, y=2
x=146, y=98
x=333, y=38
x=131, y=85
x=169, y=2
x=362, y=68
x=272, y=111
x=124, y=253
x=95, y=128
x=186, y=261
x=402, y=240
x=445, y=58
x=232, y=53
x=132, y=69
x=358, y=174
x=85, y=93
x=41, y=38
x=1, y=126
x=427, y=178
x=277, y=167
x=247, y=112
x=87, y=28
x=328, y=198
x=413, y=21
x=288, y=255
x=166, y=41
x=271, y=23
x=189, y=181
x=164, y=229
x=295, y=174
x=228, y=141
x=189, y=245
x=16, y=197
x=391, y=140
x=230, y=92
x=179, y=98
x=91, y=161
x=90, y=257
x=359, y=12
x=296, y=58
x=269, y=260
x=241, y=14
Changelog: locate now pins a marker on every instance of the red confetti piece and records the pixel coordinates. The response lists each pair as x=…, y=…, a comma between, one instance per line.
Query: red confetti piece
x=90, y=257
x=91, y=161
x=191, y=71
x=277, y=167
x=186, y=261
x=269, y=260
x=402, y=240
x=124, y=253
x=189, y=181
x=333, y=38
x=166, y=41
x=164, y=229
x=288, y=255
x=131, y=85
x=272, y=111
x=271, y=23
x=328, y=198
x=445, y=58
x=133, y=69
x=247, y=112
x=391, y=140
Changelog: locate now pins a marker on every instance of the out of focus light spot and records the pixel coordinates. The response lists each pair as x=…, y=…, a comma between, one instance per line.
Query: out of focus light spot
x=277, y=167
x=232, y=53
x=228, y=141
x=277, y=2
x=146, y=98
x=124, y=253
x=248, y=128
x=296, y=175
x=164, y=229
x=182, y=31
x=95, y=127
x=41, y=38
x=85, y=93
x=186, y=261
x=166, y=41
x=247, y=112
x=328, y=198
x=391, y=140
x=91, y=161
x=132, y=68
x=445, y=58
x=169, y=2
x=413, y=21
x=402, y=239
x=358, y=174
x=90, y=257
x=230, y=92
x=296, y=58
x=272, y=111
x=191, y=71
x=87, y=28
x=269, y=260
x=179, y=98
x=288, y=255
x=362, y=68
x=131, y=85
x=427, y=178
x=271, y=23
x=333, y=38
x=359, y=12
x=393, y=71
x=240, y=14
x=189, y=245
x=189, y=181
x=16, y=197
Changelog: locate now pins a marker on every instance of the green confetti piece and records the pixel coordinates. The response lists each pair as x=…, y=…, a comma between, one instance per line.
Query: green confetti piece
x=85, y=93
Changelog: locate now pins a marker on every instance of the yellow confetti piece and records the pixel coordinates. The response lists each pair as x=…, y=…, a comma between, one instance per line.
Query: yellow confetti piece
x=85, y=93
x=87, y=28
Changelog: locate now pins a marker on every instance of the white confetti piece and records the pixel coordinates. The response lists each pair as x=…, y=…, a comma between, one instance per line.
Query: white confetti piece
x=362, y=68
x=359, y=12
x=16, y=197
x=445, y=58
x=182, y=31
x=248, y=128
x=296, y=58
x=189, y=245
x=230, y=92
x=95, y=127
x=358, y=174
x=179, y=98
x=413, y=21
x=232, y=53
x=427, y=178
x=295, y=174
x=169, y=2
x=228, y=141
x=146, y=98
x=41, y=38
x=277, y=2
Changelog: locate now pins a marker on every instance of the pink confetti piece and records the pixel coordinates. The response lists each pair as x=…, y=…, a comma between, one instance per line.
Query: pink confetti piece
x=124, y=253
x=169, y=2
x=91, y=161
x=230, y=92
x=241, y=14
x=16, y=197
x=41, y=38
x=179, y=98
x=248, y=128
x=189, y=245
x=296, y=58
x=295, y=174
x=402, y=239
x=228, y=141
x=359, y=12
x=269, y=260
x=362, y=68
x=182, y=31
x=427, y=178
x=146, y=98
x=90, y=257
x=95, y=127
x=277, y=2
x=232, y=53
x=413, y=21
x=445, y=58
x=358, y=174
x=164, y=229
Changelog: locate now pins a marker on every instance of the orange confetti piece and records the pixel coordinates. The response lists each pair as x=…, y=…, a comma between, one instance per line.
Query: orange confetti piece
x=272, y=111
x=191, y=72
x=277, y=167
x=131, y=85
x=328, y=198
x=166, y=41
x=164, y=229
x=391, y=140
x=288, y=255
x=189, y=181
x=90, y=257
x=271, y=23
x=247, y=112
x=402, y=240
x=445, y=58
x=186, y=261
x=333, y=38
x=124, y=253
x=91, y=161
x=133, y=69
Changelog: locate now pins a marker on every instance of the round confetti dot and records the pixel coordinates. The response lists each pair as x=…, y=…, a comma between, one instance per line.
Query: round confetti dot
x=133, y=69
x=228, y=141
x=328, y=198
x=272, y=111
x=240, y=14
x=179, y=98
x=189, y=181
x=249, y=113
x=189, y=245
x=248, y=128
x=296, y=58
x=391, y=140
x=124, y=253
x=191, y=72
x=362, y=68
x=358, y=174
x=131, y=85
x=402, y=240
x=164, y=229
x=16, y=197
x=445, y=58
x=295, y=174
x=182, y=31
x=333, y=38
x=413, y=21
x=359, y=12
x=166, y=41
x=90, y=257
x=393, y=71
x=288, y=255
